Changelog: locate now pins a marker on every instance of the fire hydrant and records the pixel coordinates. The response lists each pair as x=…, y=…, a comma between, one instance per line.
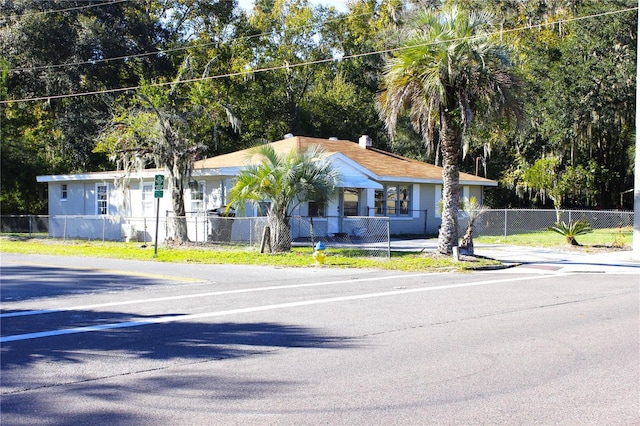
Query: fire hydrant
x=319, y=254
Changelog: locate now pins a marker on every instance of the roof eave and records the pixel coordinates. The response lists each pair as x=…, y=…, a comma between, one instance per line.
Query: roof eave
x=96, y=176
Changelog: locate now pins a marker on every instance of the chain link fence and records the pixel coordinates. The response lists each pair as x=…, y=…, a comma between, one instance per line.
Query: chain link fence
x=369, y=236
x=366, y=235
x=362, y=235
x=507, y=222
x=24, y=224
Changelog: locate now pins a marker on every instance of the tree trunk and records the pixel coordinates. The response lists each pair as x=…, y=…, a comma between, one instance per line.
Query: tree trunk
x=280, y=234
x=466, y=245
x=180, y=233
x=450, y=134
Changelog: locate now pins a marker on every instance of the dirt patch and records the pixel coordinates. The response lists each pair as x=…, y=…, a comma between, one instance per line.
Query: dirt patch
x=595, y=248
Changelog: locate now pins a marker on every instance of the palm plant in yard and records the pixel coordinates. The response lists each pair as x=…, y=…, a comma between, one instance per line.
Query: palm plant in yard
x=473, y=211
x=571, y=230
x=447, y=68
x=283, y=182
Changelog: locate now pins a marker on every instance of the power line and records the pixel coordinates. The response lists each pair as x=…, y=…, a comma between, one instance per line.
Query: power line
x=315, y=62
x=176, y=49
x=68, y=9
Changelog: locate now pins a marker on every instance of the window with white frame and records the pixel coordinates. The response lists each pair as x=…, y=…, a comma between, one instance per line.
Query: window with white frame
x=102, y=199
x=197, y=197
x=63, y=192
x=404, y=200
x=393, y=200
x=350, y=198
x=379, y=202
x=440, y=204
x=147, y=199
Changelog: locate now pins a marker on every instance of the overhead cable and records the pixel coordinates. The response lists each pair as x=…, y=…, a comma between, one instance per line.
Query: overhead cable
x=314, y=62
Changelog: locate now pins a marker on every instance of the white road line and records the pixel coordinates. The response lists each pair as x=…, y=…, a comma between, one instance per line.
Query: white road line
x=166, y=319
x=208, y=294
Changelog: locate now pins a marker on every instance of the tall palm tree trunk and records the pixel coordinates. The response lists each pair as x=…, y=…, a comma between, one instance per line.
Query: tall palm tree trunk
x=280, y=233
x=450, y=135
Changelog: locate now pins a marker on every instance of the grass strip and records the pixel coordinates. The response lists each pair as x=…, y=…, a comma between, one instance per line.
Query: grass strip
x=299, y=257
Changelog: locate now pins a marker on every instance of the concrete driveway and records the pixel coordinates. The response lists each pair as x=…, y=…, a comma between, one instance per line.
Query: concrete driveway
x=535, y=259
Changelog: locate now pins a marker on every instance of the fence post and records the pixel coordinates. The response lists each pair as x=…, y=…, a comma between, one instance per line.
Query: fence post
x=505, y=224
x=30, y=225
x=64, y=230
x=388, y=240
x=569, y=216
x=312, y=232
x=103, y=227
x=166, y=225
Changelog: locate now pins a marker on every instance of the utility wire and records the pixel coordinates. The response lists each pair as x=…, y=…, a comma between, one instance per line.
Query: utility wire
x=315, y=62
x=175, y=49
x=68, y=9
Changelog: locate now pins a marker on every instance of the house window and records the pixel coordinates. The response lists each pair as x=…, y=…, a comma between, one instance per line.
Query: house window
x=102, y=199
x=316, y=209
x=147, y=199
x=63, y=192
x=197, y=197
x=394, y=200
x=350, y=202
x=404, y=199
x=379, y=203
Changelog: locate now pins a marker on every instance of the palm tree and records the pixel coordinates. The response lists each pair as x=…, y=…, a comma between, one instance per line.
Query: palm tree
x=447, y=68
x=284, y=181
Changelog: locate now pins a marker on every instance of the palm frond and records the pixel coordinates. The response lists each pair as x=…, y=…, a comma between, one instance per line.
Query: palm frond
x=571, y=230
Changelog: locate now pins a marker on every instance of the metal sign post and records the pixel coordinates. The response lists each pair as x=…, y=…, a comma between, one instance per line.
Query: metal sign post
x=158, y=192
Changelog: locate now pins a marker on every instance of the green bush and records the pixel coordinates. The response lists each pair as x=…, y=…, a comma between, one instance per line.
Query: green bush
x=571, y=230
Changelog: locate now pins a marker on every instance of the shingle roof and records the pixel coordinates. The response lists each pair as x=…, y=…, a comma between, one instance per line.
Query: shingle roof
x=383, y=165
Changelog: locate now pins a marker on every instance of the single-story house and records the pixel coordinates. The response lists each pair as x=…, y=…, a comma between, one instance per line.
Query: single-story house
x=374, y=183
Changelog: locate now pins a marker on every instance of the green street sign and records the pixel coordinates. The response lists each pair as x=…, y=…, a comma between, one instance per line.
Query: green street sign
x=158, y=186
x=159, y=182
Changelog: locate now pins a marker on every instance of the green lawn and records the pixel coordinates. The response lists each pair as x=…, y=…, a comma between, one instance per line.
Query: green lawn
x=611, y=237
x=298, y=257
x=301, y=256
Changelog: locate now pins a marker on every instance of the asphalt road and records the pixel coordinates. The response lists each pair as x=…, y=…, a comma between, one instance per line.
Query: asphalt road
x=95, y=341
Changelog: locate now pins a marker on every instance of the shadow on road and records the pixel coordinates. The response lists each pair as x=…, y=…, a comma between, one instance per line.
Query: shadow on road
x=177, y=340
x=31, y=282
x=42, y=373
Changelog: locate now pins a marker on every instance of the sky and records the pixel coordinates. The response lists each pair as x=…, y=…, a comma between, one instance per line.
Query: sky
x=340, y=5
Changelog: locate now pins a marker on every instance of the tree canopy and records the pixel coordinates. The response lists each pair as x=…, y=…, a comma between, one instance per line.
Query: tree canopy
x=283, y=181
x=290, y=66
x=447, y=69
